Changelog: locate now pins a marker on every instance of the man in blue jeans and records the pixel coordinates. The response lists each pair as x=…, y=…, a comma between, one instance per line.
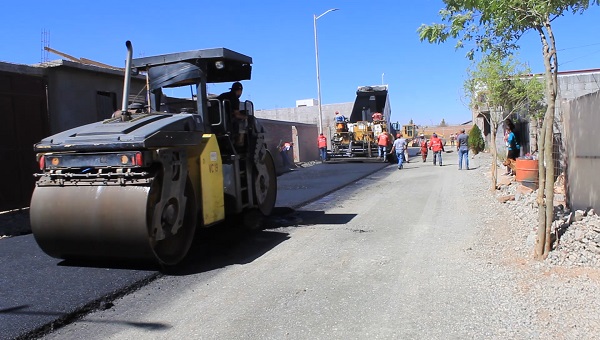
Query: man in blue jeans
x=462, y=146
x=399, y=146
x=322, y=144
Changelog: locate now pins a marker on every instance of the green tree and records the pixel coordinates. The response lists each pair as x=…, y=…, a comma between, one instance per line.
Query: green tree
x=443, y=123
x=476, y=141
x=499, y=87
x=497, y=26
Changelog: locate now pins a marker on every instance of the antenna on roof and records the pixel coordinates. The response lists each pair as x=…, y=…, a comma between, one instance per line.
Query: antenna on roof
x=45, y=44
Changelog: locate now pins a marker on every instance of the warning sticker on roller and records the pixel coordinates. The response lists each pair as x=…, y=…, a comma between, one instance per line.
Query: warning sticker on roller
x=213, y=156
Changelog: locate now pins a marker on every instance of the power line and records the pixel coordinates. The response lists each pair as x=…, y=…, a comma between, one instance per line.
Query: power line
x=575, y=47
x=583, y=56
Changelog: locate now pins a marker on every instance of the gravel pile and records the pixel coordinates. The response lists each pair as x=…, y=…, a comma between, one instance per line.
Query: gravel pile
x=578, y=231
x=560, y=296
x=579, y=240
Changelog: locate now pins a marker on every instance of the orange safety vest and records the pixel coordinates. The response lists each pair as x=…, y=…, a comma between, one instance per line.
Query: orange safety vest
x=383, y=139
x=322, y=141
x=436, y=144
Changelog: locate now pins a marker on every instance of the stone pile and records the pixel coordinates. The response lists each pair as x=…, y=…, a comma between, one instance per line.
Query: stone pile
x=578, y=240
x=578, y=231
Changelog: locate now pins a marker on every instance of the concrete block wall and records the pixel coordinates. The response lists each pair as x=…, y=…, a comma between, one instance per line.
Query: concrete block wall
x=577, y=85
x=304, y=137
x=309, y=115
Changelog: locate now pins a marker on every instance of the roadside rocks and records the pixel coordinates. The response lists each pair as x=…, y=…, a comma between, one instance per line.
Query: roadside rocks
x=506, y=198
x=578, y=242
x=576, y=234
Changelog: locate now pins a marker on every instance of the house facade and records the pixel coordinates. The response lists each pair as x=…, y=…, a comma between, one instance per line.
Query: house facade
x=576, y=119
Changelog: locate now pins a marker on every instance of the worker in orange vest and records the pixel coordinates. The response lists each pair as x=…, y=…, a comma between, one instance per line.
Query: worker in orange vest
x=383, y=140
x=437, y=146
x=423, y=144
x=322, y=143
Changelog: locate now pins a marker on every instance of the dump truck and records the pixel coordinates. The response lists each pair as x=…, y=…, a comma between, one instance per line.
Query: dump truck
x=356, y=137
x=137, y=186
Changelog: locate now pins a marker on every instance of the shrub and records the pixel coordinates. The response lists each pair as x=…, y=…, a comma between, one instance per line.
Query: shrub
x=476, y=141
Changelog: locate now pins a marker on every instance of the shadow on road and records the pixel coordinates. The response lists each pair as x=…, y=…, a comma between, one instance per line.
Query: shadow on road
x=215, y=248
x=27, y=310
x=220, y=247
x=293, y=218
x=232, y=242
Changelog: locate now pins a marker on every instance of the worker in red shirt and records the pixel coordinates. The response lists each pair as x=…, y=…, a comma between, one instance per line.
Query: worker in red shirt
x=437, y=146
x=424, y=147
x=322, y=143
x=383, y=140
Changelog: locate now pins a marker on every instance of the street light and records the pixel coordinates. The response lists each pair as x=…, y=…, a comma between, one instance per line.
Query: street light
x=315, y=17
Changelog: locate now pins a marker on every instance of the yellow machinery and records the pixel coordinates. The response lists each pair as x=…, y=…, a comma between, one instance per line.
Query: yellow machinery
x=357, y=137
x=138, y=185
x=409, y=131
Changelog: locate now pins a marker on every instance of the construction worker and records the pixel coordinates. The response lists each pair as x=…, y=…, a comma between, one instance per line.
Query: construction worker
x=377, y=116
x=437, y=146
x=399, y=146
x=283, y=151
x=382, y=142
x=424, y=147
x=239, y=119
x=322, y=143
x=339, y=118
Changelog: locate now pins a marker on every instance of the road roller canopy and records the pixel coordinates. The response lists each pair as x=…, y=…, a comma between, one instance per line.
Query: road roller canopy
x=215, y=65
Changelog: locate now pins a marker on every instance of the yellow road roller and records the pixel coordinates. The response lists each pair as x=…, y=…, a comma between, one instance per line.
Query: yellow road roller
x=137, y=186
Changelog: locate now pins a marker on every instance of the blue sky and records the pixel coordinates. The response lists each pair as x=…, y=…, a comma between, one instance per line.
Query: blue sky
x=357, y=44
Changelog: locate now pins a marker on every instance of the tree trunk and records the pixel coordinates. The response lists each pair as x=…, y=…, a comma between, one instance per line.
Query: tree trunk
x=546, y=161
x=541, y=231
x=549, y=184
x=494, y=150
x=549, y=140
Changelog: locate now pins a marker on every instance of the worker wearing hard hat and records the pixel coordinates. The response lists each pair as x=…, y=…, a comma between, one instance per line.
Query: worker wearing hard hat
x=339, y=117
x=424, y=147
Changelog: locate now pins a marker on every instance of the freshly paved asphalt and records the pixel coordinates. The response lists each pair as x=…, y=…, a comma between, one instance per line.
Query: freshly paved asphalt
x=37, y=291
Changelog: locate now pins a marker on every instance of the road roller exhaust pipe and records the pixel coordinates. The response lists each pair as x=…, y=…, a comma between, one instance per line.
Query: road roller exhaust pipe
x=125, y=115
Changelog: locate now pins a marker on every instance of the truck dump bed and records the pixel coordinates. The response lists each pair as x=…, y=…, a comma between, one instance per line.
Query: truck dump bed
x=371, y=99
